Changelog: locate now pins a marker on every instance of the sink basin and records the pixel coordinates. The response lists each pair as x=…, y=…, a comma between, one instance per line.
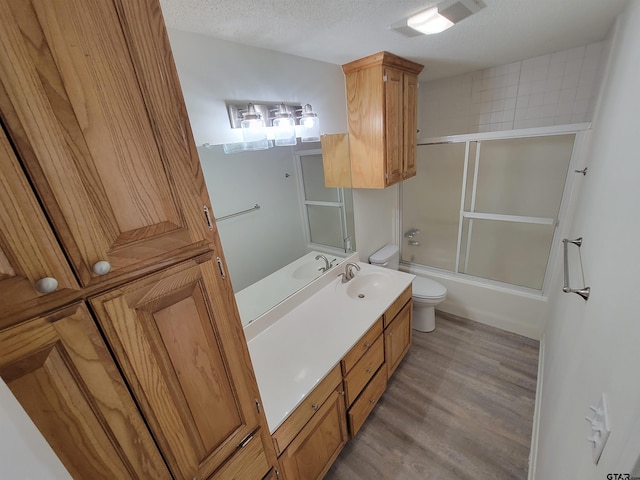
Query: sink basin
x=369, y=285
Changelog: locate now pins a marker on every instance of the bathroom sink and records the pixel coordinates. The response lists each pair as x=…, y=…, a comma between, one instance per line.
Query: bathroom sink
x=369, y=285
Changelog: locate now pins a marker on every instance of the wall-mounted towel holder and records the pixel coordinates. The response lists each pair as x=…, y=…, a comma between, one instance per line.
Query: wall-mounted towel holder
x=585, y=291
x=242, y=212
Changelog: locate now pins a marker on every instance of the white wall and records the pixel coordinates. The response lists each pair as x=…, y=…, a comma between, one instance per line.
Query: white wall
x=212, y=71
x=592, y=347
x=376, y=216
x=24, y=453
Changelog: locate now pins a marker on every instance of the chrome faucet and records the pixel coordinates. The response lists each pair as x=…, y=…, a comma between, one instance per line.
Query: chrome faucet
x=348, y=272
x=411, y=233
x=327, y=266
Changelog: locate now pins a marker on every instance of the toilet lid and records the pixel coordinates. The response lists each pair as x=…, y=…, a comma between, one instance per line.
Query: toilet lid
x=427, y=288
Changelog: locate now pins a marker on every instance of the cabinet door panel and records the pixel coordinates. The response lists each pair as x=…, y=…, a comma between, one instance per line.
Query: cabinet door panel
x=317, y=446
x=397, y=339
x=184, y=353
x=62, y=374
x=75, y=108
x=410, y=124
x=29, y=250
x=393, y=125
x=365, y=94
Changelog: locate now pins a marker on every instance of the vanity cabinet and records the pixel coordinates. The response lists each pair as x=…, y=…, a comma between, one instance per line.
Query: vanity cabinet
x=136, y=365
x=365, y=376
x=315, y=448
x=311, y=438
x=382, y=115
x=397, y=331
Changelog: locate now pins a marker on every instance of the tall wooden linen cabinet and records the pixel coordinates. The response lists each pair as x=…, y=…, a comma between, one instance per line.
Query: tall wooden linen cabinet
x=119, y=333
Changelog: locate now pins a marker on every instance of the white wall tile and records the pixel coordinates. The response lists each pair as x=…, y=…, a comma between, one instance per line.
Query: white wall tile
x=547, y=90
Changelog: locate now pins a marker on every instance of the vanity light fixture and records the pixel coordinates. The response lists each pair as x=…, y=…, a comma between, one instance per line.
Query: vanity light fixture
x=254, y=133
x=264, y=124
x=437, y=18
x=284, y=124
x=310, y=125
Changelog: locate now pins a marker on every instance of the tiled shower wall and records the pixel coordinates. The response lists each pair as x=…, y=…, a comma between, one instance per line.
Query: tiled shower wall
x=555, y=89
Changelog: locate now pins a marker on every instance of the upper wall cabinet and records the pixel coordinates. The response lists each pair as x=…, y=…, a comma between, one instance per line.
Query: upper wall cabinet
x=103, y=142
x=382, y=112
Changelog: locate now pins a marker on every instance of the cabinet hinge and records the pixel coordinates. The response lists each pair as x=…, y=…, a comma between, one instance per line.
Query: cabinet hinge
x=277, y=473
x=258, y=407
x=244, y=442
x=221, y=267
x=207, y=217
x=384, y=77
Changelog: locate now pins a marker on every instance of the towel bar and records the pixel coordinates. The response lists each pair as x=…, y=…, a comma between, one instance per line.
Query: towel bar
x=583, y=292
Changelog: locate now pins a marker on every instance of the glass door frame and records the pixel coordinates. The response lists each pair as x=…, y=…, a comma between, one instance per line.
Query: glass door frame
x=340, y=204
x=580, y=131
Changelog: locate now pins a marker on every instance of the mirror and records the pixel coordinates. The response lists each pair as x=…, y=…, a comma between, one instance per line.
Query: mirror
x=276, y=218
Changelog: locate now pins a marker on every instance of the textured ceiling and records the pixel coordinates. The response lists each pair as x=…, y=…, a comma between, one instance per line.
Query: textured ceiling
x=339, y=31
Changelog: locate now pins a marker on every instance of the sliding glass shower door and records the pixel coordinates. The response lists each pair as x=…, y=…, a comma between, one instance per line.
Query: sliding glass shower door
x=487, y=208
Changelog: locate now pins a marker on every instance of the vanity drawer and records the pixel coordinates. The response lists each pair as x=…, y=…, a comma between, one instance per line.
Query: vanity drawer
x=364, y=370
x=362, y=347
x=361, y=409
x=396, y=306
x=248, y=463
x=286, y=432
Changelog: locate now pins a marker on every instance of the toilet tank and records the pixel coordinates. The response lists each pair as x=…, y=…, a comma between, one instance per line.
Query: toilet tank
x=388, y=257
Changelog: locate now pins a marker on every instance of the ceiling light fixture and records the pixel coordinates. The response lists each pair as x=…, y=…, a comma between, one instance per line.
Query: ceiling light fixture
x=437, y=18
x=429, y=22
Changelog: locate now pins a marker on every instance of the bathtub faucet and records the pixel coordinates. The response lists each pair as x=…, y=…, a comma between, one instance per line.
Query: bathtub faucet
x=326, y=263
x=348, y=272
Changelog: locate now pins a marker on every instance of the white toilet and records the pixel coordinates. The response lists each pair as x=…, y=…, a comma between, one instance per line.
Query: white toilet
x=426, y=293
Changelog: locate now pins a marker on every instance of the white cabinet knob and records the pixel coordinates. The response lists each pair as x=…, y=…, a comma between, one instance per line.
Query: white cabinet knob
x=47, y=285
x=102, y=267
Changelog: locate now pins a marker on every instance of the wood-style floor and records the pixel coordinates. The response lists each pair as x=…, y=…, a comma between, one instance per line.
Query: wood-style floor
x=460, y=406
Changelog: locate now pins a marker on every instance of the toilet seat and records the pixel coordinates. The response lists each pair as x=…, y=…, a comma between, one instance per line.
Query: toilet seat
x=427, y=288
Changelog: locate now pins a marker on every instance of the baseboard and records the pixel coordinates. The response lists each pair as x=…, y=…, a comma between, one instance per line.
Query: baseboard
x=533, y=453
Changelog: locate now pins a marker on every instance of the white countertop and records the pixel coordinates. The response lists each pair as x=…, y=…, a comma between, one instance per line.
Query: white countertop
x=293, y=354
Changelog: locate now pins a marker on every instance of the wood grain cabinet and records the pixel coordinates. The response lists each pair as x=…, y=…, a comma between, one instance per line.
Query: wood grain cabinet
x=382, y=114
x=34, y=272
x=315, y=448
x=311, y=438
x=94, y=109
x=365, y=376
x=397, y=331
x=135, y=364
x=184, y=363
x=60, y=370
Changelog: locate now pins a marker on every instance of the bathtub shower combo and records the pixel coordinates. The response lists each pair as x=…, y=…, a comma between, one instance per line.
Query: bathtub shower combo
x=488, y=206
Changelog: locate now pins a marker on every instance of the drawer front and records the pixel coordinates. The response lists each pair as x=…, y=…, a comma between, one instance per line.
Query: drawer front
x=362, y=347
x=286, y=432
x=396, y=306
x=247, y=463
x=315, y=449
x=361, y=409
x=364, y=370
